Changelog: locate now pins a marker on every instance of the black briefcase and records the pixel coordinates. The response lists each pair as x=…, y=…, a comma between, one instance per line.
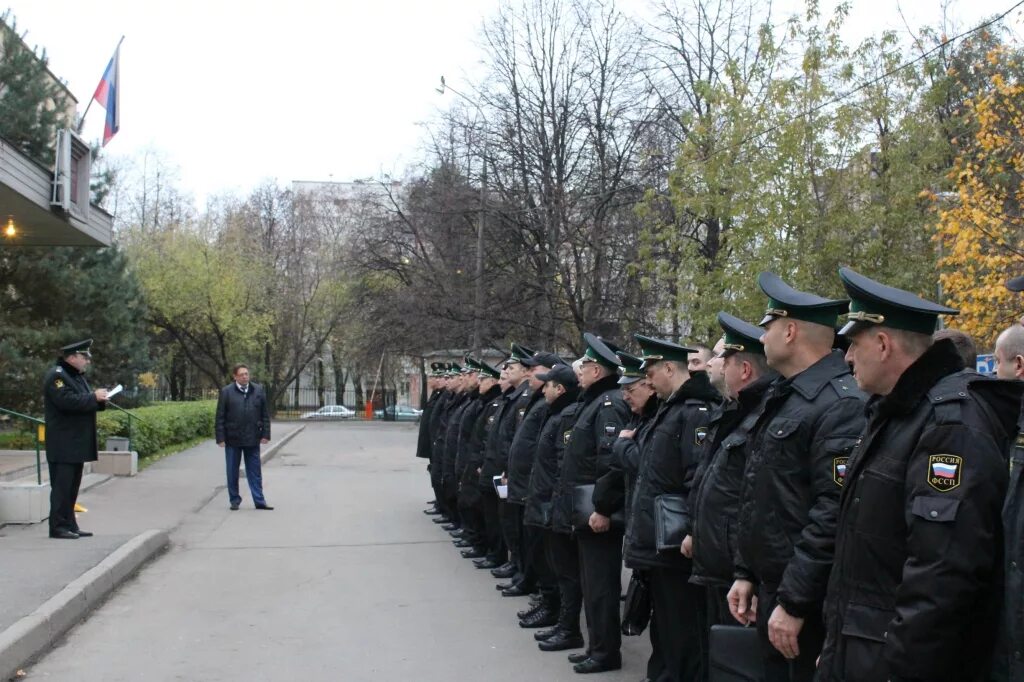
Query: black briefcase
x=583, y=507
x=669, y=517
x=735, y=654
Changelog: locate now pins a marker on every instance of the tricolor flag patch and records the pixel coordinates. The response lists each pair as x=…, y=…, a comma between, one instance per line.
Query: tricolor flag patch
x=944, y=472
x=839, y=469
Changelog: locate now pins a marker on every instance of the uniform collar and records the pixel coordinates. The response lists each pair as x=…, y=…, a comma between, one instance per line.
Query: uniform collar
x=940, y=360
x=698, y=387
x=812, y=380
x=600, y=386
x=68, y=368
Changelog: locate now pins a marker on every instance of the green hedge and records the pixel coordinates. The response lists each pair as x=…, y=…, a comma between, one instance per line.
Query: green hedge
x=159, y=427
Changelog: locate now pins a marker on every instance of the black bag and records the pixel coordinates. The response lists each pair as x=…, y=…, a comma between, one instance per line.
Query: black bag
x=583, y=507
x=636, y=609
x=669, y=516
x=735, y=654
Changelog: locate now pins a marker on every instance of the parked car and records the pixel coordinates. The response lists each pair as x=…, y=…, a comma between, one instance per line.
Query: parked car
x=399, y=413
x=330, y=412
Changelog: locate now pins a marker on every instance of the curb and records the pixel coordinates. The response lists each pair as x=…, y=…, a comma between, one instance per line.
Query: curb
x=271, y=452
x=32, y=635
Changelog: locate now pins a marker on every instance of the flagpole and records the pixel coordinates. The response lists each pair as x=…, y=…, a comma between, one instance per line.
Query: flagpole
x=81, y=121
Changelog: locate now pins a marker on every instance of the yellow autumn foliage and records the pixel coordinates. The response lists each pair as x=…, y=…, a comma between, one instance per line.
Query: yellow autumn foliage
x=982, y=233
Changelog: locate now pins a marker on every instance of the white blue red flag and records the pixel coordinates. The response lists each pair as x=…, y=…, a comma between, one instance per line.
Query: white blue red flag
x=107, y=94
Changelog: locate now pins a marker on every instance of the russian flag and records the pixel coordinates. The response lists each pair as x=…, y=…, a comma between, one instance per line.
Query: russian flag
x=107, y=94
x=944, y=470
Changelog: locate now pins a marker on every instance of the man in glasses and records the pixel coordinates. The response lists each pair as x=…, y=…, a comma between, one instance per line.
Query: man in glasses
x=71, y=406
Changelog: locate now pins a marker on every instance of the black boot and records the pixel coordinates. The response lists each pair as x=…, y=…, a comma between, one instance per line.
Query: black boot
x=542, y=618
x=561, y=641
x=541, y=635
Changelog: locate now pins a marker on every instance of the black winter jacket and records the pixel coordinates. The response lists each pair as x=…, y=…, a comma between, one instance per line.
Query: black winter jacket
x=471, y=457
x=70, y=408
x=668, y=459
x=438, y=423
x=242, y=418
x=615, y=487
x=716, y=489
x=524, y=447
x=790, y=495
x=496, y=445
x=451, y=437
x=423, y=442
x=602, y=413
x=918, y=578
x=1010, y=663
x=558, y=421
x=467, y=421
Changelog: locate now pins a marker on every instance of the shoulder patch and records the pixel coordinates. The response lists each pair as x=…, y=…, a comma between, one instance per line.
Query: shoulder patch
x=607, y=402
x=59, y=383
x=60, y=370
x=699, y=435
x=944, y=472
x=839, y=470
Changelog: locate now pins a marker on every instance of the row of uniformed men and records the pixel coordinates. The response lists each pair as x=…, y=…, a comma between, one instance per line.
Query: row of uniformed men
x=854, y=518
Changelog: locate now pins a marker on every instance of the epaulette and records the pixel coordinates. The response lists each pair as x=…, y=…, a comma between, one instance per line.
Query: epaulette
x=845, y=385
x=947, y=400
x=60, y=369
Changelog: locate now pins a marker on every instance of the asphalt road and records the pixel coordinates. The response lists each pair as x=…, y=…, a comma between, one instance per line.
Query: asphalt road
x=346, y=580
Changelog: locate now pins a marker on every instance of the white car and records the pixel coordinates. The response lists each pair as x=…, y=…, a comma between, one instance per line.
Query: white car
x=330, y=412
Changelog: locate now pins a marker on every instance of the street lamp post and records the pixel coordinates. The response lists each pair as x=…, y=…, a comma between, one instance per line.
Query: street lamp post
x=479, y=288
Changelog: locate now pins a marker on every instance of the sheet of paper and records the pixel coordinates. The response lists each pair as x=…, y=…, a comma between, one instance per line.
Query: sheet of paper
x=115, y=390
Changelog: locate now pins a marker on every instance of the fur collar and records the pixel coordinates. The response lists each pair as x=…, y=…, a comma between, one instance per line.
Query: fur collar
x=697, y=387
x=940, y=360
x=603, y=384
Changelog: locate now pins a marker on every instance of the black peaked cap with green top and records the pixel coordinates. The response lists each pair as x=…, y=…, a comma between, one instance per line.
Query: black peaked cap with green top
x=786, y=302
x=629, y=368
x=740, y=336
x=519, y=353
x=874, y=303
x=655, y=350
x=77, y=347
x=486, y=371
x=601, y=351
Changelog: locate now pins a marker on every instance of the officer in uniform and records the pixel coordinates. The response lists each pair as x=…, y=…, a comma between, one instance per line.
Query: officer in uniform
x=465, y=387
x=789, y=498
x=666, y=462
x=917, y=582
x=601, y=415
x=716, y=496
x=434, y=426
x=471, y=459
x=70, y=405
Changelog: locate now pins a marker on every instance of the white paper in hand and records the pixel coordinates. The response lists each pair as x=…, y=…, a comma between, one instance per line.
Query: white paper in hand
x=114, y=391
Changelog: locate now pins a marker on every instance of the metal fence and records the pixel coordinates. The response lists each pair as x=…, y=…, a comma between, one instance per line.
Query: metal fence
x=327, y=404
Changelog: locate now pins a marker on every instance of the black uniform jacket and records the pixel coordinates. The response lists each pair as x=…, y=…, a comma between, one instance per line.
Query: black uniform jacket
x=615, y=487
x=438, y=423
x=1010, y=665
x=789, y=499
x=560, y=417
x=918, y=567
x=496, y=445
x=467, y=422
x=70, y=410
x=602, y=413
x=668, y=459
x=715, y=500
x=242, y=418
x=423, y=442
x=524, y=447
x=471, y=457
x=451, y=437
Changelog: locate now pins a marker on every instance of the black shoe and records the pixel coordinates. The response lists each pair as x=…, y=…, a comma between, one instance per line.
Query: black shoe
x=63, y=534
x=561, y=642
x=451, y=526
x=233, y=507
x=504, y=571
x=541, y=635
x=442, y=519
x=592, y=666
x=579, y=657
x=516, y=590
x=526, y=613
x=82, y=533
x=485, y=563
x=463, y=543
x=544, y=618
x=433, y=511
x=473, y=553
x=455, y=532
x=264, y=507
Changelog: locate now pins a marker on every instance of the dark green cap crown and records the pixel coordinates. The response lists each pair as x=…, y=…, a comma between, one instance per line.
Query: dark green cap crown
x=601, y=351
x=655, y=350
x=785, y=301
x=874, y=303
x=740, y=336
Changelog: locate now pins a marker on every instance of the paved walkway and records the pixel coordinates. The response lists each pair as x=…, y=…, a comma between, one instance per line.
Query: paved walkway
x=345, y=580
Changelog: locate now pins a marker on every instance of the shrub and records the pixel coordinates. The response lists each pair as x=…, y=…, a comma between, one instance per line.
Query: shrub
x=159, y=427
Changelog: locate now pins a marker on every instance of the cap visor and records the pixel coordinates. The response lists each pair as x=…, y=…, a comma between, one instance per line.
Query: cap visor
x=765, y=320
x=625, y=381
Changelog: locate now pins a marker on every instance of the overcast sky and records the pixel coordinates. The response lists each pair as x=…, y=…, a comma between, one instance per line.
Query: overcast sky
x=234, y=93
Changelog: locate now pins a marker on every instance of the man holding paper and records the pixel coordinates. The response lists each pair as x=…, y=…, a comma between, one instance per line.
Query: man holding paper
x=71, y=407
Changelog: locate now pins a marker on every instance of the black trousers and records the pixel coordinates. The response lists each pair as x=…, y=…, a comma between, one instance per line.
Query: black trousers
x=715, y=611
x=511, y=522
x=450, y=490
x=493, y=538
x=675, y=626
x=777, y=668
x=537, y=571
x=65, y=479
x=601, y=576
x=565, y=562
x=471, y=515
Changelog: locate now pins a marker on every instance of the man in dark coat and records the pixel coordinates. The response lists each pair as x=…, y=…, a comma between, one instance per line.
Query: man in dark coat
x=242, y=425
x=464, y=385
x=433, y=393
x=917, y=583
x=789, y=498
x=667, y=459
x=70, y=408
x=602, y=414
x=716, y=488
x=483, y=538
x=436, y=424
